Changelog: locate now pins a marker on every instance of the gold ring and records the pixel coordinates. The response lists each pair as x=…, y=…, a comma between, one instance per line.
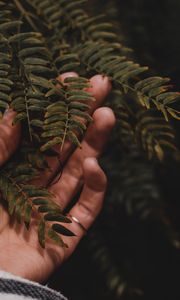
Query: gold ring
x=78, y=222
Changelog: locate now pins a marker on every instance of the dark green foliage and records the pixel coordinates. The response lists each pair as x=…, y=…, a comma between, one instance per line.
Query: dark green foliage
x=41, y=39
x=25, y=199
x=50, y=112
x=67, y=114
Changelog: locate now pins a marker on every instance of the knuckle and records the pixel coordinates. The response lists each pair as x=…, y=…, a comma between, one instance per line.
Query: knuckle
x=86, y=211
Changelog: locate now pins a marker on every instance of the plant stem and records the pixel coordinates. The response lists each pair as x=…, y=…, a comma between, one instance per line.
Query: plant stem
x=25, y=14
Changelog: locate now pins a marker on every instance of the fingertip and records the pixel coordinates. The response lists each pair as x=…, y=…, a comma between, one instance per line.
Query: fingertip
x=8, y=118
x=104, y=119
x=103, y=81
x=101, y=86
x=63, y=76
x=9, y=136
x=9, y=114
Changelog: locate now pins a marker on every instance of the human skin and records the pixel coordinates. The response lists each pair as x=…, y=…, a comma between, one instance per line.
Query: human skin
x=20, y=251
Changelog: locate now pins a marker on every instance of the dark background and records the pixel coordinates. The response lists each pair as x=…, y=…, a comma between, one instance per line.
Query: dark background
x=141, y=251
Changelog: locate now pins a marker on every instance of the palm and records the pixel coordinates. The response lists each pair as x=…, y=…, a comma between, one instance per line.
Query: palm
x=20, y=250
x=22, y=254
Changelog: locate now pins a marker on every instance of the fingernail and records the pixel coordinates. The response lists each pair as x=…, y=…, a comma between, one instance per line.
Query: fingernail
x=8, y=111
x=63, y=76
x=69, y=74
x=91, y=159
x=94, y=159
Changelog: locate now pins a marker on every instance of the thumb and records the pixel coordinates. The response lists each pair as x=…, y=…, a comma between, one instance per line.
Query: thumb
x=9, y=136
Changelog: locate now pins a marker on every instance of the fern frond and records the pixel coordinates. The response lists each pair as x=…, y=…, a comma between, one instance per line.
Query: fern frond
x=40, y=40
x=30, y=69
x=145, y=129
x=24, y=199
x=67, y=117
x=58, y=43
x=156, y=135
x=35, y=71
x=101, y=51
x=149, y=91
x=115, y=277
x=155, y=90
x=49, y=11
x=5, y=72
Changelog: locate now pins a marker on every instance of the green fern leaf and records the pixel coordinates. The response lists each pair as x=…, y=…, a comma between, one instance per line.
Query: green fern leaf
x=62, y=230
x=41, y=232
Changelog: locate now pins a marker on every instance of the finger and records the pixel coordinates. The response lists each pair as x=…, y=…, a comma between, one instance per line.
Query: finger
x=9, y=136
x=100, y=88
x=92, y=146
x=53, y=163
x=63, y=76
x=90, y=203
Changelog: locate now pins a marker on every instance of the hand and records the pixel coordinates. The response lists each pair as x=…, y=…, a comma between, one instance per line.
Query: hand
x=19, y=248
